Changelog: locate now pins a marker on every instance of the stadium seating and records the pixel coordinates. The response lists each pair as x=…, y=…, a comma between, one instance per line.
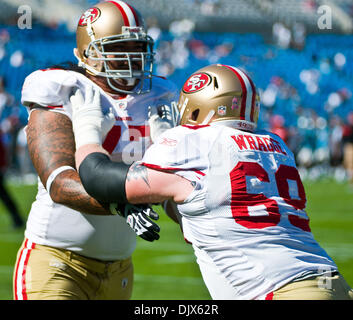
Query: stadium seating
x=249, y=51
x=301, y=79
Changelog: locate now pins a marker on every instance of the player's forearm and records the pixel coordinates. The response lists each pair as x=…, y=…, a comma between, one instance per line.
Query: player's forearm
x=85, y=150
x=67, y=190
x=112, y=182
x=147, y=186
x=51, y=145
x=104, y=179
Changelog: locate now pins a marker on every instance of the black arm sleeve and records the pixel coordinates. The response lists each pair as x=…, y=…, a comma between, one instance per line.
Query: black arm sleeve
x=104, y=179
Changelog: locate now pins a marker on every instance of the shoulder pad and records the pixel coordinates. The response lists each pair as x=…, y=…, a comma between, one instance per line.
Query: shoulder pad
x=179, y=149
x=50, y=87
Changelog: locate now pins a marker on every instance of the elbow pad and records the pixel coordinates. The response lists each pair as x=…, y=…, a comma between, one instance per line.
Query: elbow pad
x=104, y=179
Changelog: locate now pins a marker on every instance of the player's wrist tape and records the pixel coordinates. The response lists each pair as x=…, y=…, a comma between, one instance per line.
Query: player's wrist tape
x=54, y=174
x=88, y=134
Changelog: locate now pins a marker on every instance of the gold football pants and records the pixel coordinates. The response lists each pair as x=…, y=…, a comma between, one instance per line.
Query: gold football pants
x=47, y=273
x=325, y=287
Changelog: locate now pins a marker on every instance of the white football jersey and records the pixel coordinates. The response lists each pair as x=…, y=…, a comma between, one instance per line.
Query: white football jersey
x=246, y=217
x=52, y=224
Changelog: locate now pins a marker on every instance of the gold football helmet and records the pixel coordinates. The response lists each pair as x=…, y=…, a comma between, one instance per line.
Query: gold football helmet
x=103, y=28
x=219, y=93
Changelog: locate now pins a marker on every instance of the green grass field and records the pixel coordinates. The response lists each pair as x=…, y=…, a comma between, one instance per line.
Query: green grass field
x=166, y=269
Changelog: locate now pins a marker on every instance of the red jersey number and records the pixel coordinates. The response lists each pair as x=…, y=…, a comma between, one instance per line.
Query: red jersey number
x=248, y=208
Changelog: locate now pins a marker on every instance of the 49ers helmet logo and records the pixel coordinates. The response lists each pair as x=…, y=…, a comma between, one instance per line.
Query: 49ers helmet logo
x=196, y=82
x=91, y=14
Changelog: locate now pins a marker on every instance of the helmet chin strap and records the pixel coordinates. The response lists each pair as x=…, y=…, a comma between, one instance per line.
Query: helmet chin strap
x=93, y=71
x=129, y=81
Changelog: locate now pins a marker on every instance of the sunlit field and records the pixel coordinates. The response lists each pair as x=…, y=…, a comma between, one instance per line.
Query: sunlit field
x=167, y=270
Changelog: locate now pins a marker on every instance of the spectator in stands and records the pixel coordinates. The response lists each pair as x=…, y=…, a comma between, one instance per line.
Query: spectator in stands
x=7, y=150
x=348, y=147
x=335, y=141
x=294, y=140
x=25, y=166
x=4, y=39
x=5, y=196
x=299, y=35
x=278, y=128
x=209, y=7
x=220, y=51
x=282, y=35
x=339, y=61
x=11, y=121
x=16, y=59
x=6, y=99
x=309, y=5
x=306, y=126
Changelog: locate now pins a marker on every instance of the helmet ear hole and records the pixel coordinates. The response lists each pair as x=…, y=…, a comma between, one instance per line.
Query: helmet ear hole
x=195, y=114
x=215, y=83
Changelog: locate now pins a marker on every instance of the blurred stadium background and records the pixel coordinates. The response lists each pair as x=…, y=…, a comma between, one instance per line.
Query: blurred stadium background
x=300, y=55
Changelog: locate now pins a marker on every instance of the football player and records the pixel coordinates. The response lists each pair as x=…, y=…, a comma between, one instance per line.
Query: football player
x=75, y=247
x=238, y=191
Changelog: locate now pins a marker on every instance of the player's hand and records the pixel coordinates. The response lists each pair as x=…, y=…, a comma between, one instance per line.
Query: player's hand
x=162, y=118
x=140, y=219
x=89, y=123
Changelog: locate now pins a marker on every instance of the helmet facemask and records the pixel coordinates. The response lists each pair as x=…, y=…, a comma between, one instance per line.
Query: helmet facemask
x=135, y=68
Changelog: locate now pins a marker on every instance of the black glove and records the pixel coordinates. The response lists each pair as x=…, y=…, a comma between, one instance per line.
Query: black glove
x=138, y=217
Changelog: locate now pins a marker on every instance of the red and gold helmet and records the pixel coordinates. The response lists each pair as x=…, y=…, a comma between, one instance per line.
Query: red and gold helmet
x=219, y=93
x=103, y=27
